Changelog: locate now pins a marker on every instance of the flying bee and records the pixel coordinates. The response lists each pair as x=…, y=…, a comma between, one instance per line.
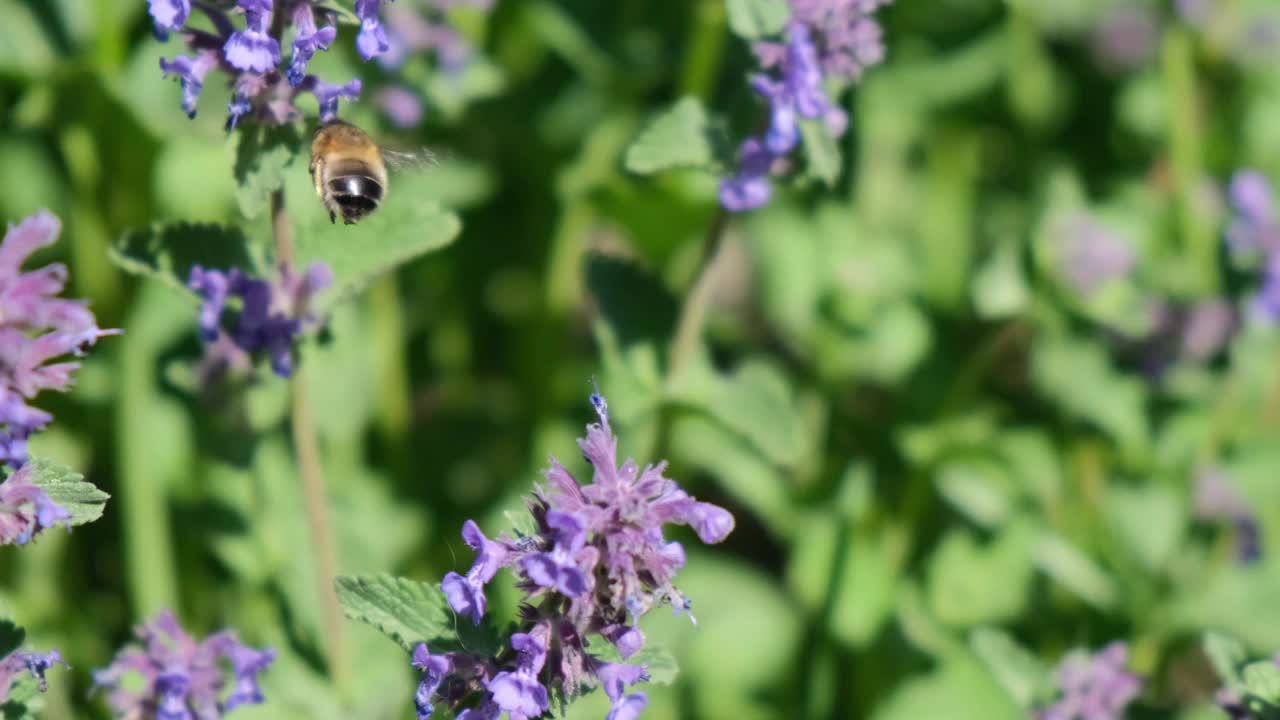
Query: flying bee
x=349, y=169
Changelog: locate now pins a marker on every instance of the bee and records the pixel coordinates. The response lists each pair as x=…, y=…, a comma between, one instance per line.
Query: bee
x=349, y=169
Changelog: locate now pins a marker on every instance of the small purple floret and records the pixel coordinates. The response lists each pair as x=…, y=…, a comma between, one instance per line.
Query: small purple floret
x=1094, y=688
x=26, y=509
x=34, y=664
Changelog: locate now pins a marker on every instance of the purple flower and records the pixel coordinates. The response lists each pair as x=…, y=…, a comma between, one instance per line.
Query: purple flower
x=372, y=40
x=168, y=15
x=307, y=41
x=1090, y=254
x=191, y=70
x=749, y=188
x=171, y=676
x=36, y=327
x=327, y=96
x=1218, y=499
x=825, y=39
x=597, y=559
x=1125, y=37
x=26, y=509
x=401, y=106
x=35, y=664
x=253, y=49
x=1096, y=688
x=271, y=315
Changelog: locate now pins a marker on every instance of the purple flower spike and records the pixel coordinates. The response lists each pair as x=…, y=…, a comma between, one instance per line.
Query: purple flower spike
x=173, y=676
x=191, y=70
x=434, y=668
x=465, y=596
x=1096, y=688
x=35, y=664
x=307, y=42
x=519, y=693
x=36, y=327
x=749, y=188
x=168, y=15
x=327, y=96
x=372, y=40
x=628, y=640
x=253, y=49
x=26, y=510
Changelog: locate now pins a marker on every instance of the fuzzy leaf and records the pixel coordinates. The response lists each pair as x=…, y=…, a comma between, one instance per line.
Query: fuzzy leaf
x=262, y=154
x=1017, y=669
x=1067, y=564
x=68, y=489
x=167, y=252
x=404, y=610
x=753, y=19
x=682, y=136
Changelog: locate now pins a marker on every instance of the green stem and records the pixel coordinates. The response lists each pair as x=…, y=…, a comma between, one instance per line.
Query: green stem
x=693, y=314
x=706, y=42
x=307, y=452
x=1199, y=246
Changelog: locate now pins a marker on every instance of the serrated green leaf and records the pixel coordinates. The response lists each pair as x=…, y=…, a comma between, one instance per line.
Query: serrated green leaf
x=410, y=612
x=67, y=488
x=682, y=136
x=754, y=19
x=1017, y=669
x=168, y=252
x=262, y=155
x=405, y=227
x=821, y=150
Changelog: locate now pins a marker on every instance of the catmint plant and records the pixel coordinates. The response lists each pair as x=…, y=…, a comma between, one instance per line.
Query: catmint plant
x=596, y=562
x=171, y=676
x=272, y=315
x=826, y=43
x=26, y=510
x=264, y=87
x=32, y=663
x=36, y=329
x=1094, y=688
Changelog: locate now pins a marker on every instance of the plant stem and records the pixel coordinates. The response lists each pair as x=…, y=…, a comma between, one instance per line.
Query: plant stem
x=693, y=314
x=307, y=451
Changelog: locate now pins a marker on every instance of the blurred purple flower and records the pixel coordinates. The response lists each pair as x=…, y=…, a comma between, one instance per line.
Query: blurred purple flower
x=36, y=327
x=1207, y=328
x=597, y=562
x=1094, y=688
x=272, y=315
x=825, y=40
x=263, y=89
x=1253, y=227
x=1195, y=12
x=372, y=40
x=35, y=664
x=26, y=509
x=401, y=106
x=1125, y=38
x=170, y=675
x=1090, y=254
x=1218, y=499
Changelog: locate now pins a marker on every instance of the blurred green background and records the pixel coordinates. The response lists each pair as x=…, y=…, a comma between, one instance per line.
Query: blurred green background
x=948, y=466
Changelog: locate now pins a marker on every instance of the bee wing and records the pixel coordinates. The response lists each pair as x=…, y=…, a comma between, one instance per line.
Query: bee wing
x=415, y=160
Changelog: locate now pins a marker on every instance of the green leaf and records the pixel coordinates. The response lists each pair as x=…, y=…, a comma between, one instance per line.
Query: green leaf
x=682, y=136
x=406, y=611
x=1077, y=375
x=821, y=151
x=168, y=252
x=977, y=487
x=754, y=401
x=754, y=19
x=1262, y=681
x=262, y=154
x=406, y=226
x=1076, y=571
x=67, y=488
x=960, y=689
x=11, y=637
x=1017, y=669
x=1149, y=520
x=1226, y=655
x=962, y=574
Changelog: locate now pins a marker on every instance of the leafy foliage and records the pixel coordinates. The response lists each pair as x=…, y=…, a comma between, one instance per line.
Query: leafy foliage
x=68, y=489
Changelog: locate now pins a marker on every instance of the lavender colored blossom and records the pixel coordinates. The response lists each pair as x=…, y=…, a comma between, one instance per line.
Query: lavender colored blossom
x=825, y=42
x=170, y=675
x=1125, y=38
x=36, y=327
x=272, y=315
x=597, y=562
x=264, y=87
x=1090, y=254
x=1218, y=499
x=1094, y=688
x=401, y=106
x=372, y=40
x=1253, y=228
x=34, y=664
x=26, y=509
